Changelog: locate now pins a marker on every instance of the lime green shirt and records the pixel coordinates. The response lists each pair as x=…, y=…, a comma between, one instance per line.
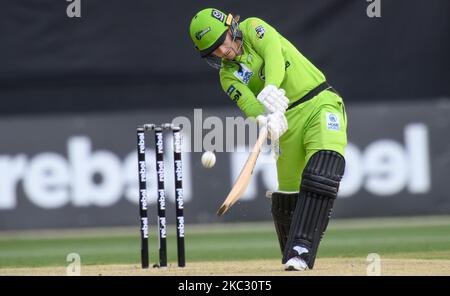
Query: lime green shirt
x=268, y=58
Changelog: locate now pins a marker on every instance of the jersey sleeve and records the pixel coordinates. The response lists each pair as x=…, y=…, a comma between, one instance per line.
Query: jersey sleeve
x=242, y=96
x=266, y=41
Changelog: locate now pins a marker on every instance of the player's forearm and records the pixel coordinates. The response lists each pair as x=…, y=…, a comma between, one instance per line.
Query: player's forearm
x=251, y=109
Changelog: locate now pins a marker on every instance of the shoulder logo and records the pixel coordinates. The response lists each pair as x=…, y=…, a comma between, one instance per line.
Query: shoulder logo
x=200, y=34
x=260, y=31
x=218, y=15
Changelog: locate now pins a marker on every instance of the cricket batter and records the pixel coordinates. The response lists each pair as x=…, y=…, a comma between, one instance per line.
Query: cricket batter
x=270, y=80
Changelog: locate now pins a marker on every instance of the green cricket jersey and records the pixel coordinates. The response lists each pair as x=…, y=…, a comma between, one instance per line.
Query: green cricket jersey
x=318, y=124
x=268, y=58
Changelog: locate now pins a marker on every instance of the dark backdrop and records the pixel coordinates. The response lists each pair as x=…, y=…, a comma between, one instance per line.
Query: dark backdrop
x=137, y=54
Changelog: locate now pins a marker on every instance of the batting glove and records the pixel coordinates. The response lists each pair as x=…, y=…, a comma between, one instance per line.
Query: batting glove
x=273, y=99
x=276, y=124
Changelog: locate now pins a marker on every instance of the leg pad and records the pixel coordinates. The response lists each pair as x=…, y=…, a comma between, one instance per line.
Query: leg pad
x=318, y=190
x=283, y=205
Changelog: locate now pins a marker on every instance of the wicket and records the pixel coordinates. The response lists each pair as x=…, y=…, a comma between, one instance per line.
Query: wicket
x=161, y=195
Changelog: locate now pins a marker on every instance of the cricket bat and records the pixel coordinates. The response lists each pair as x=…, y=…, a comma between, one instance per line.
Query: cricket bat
x=245, y=175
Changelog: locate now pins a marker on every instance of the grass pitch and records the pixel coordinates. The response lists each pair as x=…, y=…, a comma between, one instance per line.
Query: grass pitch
x=419, y=245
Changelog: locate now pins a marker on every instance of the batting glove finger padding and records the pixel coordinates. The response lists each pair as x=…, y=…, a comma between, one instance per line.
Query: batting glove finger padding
x=273, y=99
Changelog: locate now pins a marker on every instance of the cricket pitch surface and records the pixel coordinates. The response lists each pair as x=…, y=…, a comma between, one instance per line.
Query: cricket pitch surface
x=323, y=267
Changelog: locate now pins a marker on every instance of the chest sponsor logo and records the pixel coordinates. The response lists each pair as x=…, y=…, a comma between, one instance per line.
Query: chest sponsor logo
x=243, y=73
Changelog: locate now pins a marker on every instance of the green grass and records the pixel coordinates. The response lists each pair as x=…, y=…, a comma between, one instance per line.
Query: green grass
x=418, y=238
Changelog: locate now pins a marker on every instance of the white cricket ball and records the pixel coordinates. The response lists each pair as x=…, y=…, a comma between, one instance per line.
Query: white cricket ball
x=208, y=159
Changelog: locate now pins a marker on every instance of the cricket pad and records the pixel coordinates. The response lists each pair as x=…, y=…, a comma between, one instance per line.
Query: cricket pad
x=318, y=190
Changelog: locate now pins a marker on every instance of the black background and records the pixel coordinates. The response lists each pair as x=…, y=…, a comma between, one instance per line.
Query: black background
x=137, y=54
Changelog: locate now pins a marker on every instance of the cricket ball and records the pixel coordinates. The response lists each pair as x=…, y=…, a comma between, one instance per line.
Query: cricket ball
x=208, y=159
